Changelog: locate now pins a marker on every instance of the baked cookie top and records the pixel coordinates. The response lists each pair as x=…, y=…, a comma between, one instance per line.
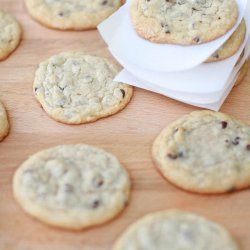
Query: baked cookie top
x=72, y=186
x=76, y=88
x=231, y=46
x=71, y=14
x=175, y=230
x=4, y=124
x=10, y=34
x=205, y=152
x=183, y=22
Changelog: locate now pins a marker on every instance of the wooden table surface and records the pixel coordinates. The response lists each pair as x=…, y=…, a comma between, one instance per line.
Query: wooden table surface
x=129, y=135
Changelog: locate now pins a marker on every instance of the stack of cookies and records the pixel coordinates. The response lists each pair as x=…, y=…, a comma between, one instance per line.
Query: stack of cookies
x=192, y=51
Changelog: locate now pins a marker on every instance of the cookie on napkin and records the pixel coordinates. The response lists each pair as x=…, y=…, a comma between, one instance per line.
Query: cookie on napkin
x=242, y=73
x=231, y=46
x=183, y=22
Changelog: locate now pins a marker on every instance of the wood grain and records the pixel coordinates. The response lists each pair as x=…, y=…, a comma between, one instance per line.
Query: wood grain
x=128, y=135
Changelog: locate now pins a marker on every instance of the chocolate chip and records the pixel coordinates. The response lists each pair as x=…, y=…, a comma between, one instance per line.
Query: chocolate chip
x=176, y=130
x=96, y=204
x=236, y=141
x=248, y=147
x=166, y=28
x=100, y=183
x=224, y=124
x=61, y=14
x=232, y=189
x=196, y=39
x=36, y=89
x=104, y=2
x=180, y=154
x=68, y=188
x=125, y=203
x=174, y=156
x=216, y=55
x=123, y=93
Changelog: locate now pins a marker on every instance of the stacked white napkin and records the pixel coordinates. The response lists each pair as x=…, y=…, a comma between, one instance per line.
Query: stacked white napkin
x=173, y=70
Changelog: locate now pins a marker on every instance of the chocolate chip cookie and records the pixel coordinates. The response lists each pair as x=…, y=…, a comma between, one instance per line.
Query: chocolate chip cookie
x=205, y=152
x=72, y=186
x=175, y=230
x=183, y=22
x=71, y=14
x=4, y=124
x=231, y=46
x=10, y=34
x=77, y=88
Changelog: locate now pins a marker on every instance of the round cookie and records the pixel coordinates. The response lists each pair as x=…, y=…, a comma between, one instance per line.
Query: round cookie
x=231, y=46
x=72, y=186
x=205, y=152
x=71, y=14
x=76, y=88
x=183, y=22
x=10, y=34
x=175, y=230
x=4, y=124
x=242, y=73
